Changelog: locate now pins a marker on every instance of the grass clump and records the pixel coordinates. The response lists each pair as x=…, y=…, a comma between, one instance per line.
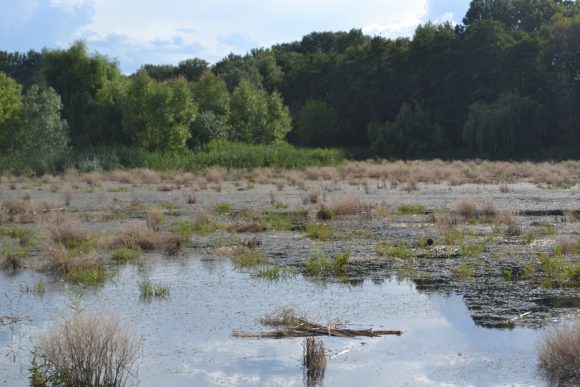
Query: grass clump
x=471, y=249
x=559, y=354
x=319, y=264
x=38, y=288
x=124, y=254
x=401, y=251
x=88, y=349
x=463, y=270
x=249, y=259
x=154, y=218
x=318, y=230
x=411, y=209
x=201, y=226
x=222, y=208
x=150, y=290
x=558, y=272
x=13, y=256
x=274, y=273
x=88, y=276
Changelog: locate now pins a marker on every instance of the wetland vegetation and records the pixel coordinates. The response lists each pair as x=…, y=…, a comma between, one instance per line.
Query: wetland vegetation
x=453, y=233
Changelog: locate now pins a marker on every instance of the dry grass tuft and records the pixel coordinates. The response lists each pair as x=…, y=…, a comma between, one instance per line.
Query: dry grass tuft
x=87, y=349
x=21, y=211
x=466, y=208
x=488, y=209
x=148, y=176
x=350, y=204
x=70, y=234
x=312, y=196
x=513, y=228
x=68, y=194
x=559, y=354
x=154, y=218
x=147, y=240
x=190, y=196
x=243, y=226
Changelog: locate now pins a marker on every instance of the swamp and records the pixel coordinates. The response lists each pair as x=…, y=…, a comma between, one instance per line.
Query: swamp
x=216, y=274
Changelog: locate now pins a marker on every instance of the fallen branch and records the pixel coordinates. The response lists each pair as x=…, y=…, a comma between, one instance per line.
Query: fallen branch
x=293, y=325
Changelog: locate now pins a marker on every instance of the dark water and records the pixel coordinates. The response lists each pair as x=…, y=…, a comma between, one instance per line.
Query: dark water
x=188, y=341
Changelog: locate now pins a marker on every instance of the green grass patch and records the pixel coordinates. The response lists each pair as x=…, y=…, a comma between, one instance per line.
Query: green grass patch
x=86, y=276
x=150, y=290
x=26, y=235
x=318, y=230
x=274, y=273
x=222, y=208
x=319, y=264
x=249, y=259
x=411, y=209
x=463, y=270
x=123, y=255
x=402, y=251
x=199, y=227
x=452, y=237
x=559, y=273
x=471, y=249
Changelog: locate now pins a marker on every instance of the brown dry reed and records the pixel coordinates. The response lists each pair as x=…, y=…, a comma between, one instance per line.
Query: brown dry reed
x=313, y=359
x=90, y=349
x=466, y=208
x=154, y=218
x=559, y=354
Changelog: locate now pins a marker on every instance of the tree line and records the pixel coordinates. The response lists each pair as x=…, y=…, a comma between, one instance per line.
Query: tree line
x=505, y=83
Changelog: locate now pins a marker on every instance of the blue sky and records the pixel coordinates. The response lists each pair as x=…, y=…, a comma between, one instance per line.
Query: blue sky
x=136, y=32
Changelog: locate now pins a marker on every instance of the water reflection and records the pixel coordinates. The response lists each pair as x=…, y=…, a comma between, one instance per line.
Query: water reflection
x=188, y=336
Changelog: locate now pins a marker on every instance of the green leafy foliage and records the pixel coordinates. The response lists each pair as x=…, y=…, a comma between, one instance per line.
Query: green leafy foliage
x=10, y=105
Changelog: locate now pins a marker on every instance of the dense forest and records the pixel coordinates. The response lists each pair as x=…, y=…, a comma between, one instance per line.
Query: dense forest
x=504, y=84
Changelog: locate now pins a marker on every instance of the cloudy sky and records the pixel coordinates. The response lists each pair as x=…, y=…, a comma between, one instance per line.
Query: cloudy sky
x=136, y=32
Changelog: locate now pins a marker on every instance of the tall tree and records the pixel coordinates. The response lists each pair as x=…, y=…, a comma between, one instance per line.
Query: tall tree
x=10, y=106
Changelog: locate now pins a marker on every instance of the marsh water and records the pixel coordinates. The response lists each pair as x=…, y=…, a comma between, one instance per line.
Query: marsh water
x=188, y=336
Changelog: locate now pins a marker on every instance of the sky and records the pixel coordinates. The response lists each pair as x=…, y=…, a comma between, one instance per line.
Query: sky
x=137, y=32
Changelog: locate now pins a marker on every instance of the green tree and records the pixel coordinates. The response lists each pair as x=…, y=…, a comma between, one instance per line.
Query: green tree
x=410, y=135
x=258, y=117
x=317, y=124
x=77, y=77
x=10, y=106
x=42, y=131
x=508, y=127
x=157, y=115
x=211, y=94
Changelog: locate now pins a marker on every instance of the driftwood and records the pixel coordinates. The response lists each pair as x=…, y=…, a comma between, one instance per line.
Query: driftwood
x=292, y=325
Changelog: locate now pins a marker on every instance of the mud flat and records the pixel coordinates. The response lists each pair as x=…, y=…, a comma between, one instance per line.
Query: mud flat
x=470, y=270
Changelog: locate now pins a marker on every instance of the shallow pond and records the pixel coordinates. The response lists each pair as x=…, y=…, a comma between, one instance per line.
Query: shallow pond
x=188, y=337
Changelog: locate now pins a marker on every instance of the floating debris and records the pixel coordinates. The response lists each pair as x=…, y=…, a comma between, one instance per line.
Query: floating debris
x=291, y=324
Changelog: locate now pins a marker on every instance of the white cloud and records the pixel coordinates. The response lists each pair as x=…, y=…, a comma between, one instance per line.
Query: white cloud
x=141, y=31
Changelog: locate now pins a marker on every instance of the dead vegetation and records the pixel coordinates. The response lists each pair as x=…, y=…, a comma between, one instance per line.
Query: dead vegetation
x=290, y=324
x=147, y=240
x=86, y=349
x=559, y=354
x=313, y=360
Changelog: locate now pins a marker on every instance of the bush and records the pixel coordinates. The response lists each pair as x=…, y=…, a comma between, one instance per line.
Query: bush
x=86, y=349
x=559, y=354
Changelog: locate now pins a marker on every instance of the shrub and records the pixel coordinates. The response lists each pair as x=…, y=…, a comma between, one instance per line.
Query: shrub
x=466, y=208
x=559, y=354
x=88, y=349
